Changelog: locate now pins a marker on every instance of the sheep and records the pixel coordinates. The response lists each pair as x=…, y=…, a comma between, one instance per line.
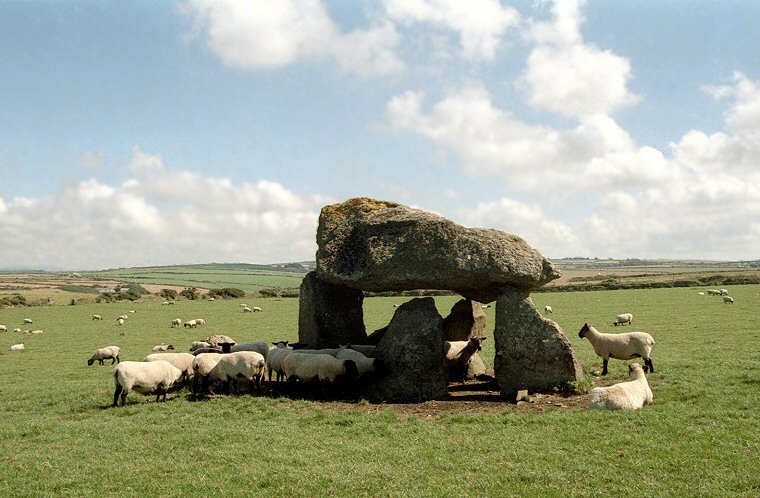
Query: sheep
x=183, y=361
x=321, y=367
x=144, y=377
x=261, y=347
x=198, y=351
x=458, y=354
x=191, y=324
x=363, y=364
x=548, y=309
x=203, y=363
x=176, y=323
x=246, y=309
x=630, y=395
x=17, y=330
x=124, y=317
x=256, y=309
x=713, y=292
x=27, y=320
x=701, y=293
x=97, y=317
x=243, y=305
x=199, y=345
x=107, y=353
x=35, y=332
x=724, y=292
x=275, y=358
x=18, y=347
x=162, y=347
x=249, y=365
x=624, y=346
x=3, y=328
x=622, y=319
x=119, y=321
x=728, y=300
x=200, y=322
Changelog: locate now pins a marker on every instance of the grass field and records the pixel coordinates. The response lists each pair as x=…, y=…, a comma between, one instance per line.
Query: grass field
x=701, y=437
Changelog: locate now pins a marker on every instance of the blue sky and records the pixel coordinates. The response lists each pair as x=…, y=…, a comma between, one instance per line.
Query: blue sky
x=144, y=133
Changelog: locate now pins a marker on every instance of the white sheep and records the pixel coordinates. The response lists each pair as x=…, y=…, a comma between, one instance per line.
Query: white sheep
x=548, y=309
x=106, y=353
x=3, y=328
x=724, y=292
x=256, y=309
x=321, y=367
x=18, y=347
x=183, y=361
x=124, y=317
x=144, y=377
x=119, y=321
x=27, y=320
x=200, y=322
x=261, y=347
x=275, y=358
x=701, y=293
x=191, y=324
x=458, y=354
x=246, y=309
x=630, y=395
x=35, y=332
x=17, y=330
x=728, y=300
x=713, y=292
x=622, y=319
x=248, y=365
x=176, y=323
x=203, y=363
x=97, y=317
x=243, y=305
x=363, y=364
x=624, y=346
x=162, y=347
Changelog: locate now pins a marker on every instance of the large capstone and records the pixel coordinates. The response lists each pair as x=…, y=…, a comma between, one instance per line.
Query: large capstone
x=329, y=315
x=383, y=246
x=411, y=350
x=532, y=352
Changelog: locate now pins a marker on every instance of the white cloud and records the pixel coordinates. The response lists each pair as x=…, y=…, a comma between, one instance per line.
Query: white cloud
x=160, y=216
x=480, y=24
x=268, y=34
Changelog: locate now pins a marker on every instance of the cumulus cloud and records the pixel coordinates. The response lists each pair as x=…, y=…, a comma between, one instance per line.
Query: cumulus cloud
x=266, y=34
x=480, y=24
x=159, y=216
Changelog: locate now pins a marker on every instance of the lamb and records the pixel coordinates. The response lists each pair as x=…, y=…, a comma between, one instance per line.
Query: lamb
x=321, y=367
x=728, y=300
x=458, y=354
x=183, y=361
x=249, y=365
x=548, y=309
x=162, y=347
x=200, y=322
x=97, y=317
x=106, y=353
x=275, y=358
x=363, y=364
x=261, y=347
x=622, y=319
x=18, y=347
x=624, y=346
x=630, y=395
x=176, y=323
x=191, y=324
x=144, y=377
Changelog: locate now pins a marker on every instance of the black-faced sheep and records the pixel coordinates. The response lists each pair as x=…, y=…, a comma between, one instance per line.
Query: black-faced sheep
x=623, y=319
x=153, y=377
x=619, y=346
x=458, y=354
x=107, y=353
x=318, y=367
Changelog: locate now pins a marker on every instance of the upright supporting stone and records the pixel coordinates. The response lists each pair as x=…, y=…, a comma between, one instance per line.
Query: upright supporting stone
x=532, y=352
x=465, y=320
x=412, y=355
x=329, y=314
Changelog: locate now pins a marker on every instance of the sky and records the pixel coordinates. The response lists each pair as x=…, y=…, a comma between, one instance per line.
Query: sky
x=150, y=133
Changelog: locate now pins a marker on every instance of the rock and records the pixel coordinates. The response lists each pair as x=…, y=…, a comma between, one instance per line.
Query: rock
x=475, y=367
x=466, y=320
x=383, y=246
x=532, y=352
x=329, y=314
x=522, y=395
x=411, y=351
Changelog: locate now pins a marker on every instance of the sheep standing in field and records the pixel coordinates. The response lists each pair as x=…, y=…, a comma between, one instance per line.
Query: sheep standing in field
x=248, y=365
x=107, y=353
x=458, y=354
x=243, y=305
x=623, y=319
x=275, y=357
x=246, y=309
x=203, y=364
x=724, y=292
x=162, y=347
x=3, y=328
x=27, y=321
x=728, y=300
x=624, y=346
x=318, y=367
x=200, y=322
x=18, y=347
x=183, y=361
x=17, y=330
x=363, y=364
x=713, y=292
x=176, y=323
x=124, y=317
x=97, y=317
x=548, y=309
x=152, y=377
x=256, y=309
x=630, y=395
x=191, y=324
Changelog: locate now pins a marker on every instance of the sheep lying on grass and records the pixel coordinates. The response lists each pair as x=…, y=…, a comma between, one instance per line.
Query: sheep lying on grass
x=106, y=353
x=630, y=395
x=162, y=347
x=623, y=319
x=3, y=328
x=18, y=347
x=152, y=377
x=620, y=346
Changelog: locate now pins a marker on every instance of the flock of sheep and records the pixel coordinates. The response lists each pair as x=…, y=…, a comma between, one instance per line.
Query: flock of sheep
x=20, y=346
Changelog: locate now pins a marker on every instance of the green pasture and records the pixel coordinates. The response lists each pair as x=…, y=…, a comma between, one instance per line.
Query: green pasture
x=701, y=437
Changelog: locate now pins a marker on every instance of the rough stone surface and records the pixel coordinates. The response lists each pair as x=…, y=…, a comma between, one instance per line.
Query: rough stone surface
x=329, y=314
x=383, y=246
x=475, y=367
x=466, y=320
x=412, y=352
x=532, y=352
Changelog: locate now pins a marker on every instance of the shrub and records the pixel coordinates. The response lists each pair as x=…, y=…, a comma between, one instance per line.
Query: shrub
x=168, y=294
x=268, y=292
x=13, y=300
x=190, y=293
x=227, y=293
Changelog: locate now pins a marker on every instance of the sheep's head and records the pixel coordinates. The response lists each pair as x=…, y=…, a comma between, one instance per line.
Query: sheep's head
x=583, y=331
x=478, y=341
x=90, y=362
x=169, y=347
x=352, y=372
x=281, y=344
x=634, y=369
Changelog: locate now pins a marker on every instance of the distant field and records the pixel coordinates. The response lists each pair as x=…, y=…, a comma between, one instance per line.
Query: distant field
x=59, y=437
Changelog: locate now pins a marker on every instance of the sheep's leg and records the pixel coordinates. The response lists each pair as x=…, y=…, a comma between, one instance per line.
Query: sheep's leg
x=124, y=398
x=604, y=365
x=116, y=394
x=101, y=362
x=648, y=363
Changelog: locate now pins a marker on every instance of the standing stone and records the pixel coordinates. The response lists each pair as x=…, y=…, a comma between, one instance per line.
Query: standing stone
x=329, y=314
x=412, y=354
x=532, y=352
x=466, y=320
